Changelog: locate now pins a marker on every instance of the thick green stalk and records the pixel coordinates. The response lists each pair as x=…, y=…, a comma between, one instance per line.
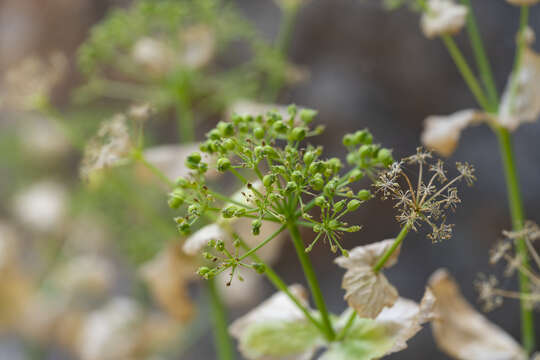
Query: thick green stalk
x=222, y=340
x=311, y=278
x=399, y=239
x=518, y=219
x=481, y=58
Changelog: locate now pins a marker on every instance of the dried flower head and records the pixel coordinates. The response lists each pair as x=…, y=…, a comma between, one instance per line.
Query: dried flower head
x=424, y=202
x=30, y=83
x=110, y=147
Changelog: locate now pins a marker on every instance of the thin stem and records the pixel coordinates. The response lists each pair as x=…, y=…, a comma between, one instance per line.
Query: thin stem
x=282, y=286
x=311, y=278
x=138, y=155
x=347, y=327
x=262, y=243
x=518, y=220
x=223, y=342
x=465, y=71
x=399, y=239
x=481, y=59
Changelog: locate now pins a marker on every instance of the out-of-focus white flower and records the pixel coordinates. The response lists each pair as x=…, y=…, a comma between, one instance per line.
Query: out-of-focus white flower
x=442, y=133
x=462, y=332
x=240, y=293
x=522, y=2
x=198, y=46
x=111, y=331
x=170, y=159
x=152, y=54
x=26, y=85
x=140, y=112
x=84, y=274
x=443, y=17
x=368, y=292
x=42, y=206
x=168, y=275
x=521, y=99
x=110, y=147
x=42, y=139
x=200, y=239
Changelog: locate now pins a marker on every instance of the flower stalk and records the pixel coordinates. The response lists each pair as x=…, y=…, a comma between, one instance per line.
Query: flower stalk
x=397, y=242
x=223, y=341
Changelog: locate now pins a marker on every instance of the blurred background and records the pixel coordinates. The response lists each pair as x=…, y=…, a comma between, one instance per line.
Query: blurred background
x=72, y=250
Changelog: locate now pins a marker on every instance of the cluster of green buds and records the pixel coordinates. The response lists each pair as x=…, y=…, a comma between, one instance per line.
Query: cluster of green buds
x=283, y=179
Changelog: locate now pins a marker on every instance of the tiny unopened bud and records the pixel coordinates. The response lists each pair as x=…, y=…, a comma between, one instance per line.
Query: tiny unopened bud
x=356, y=175
x=193, y=160
x=256, y=227
x=340, y=205
x=309, y=157
x=268, y=180
x=364, y=194
x=259, y=268
x=225, y=129
x=176, y=198
x=353, y=204
x=223, y=164
x=385, y=157
x=297, y=134
x=321, y=202
x=258, y=132
x=280, y=127
x=307, y=115
x=228, y=144
x=317, y=182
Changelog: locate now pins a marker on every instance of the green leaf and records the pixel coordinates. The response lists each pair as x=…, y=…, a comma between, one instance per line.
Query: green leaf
x=365, y=340
x=280, y=339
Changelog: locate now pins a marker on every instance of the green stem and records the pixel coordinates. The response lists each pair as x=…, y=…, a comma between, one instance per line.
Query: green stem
x=399, y=239
x=262, y=243
x=518, y=219
x=465, y=71
x=311, y=278
x=282, y=286
x=184, y=117
x=138, y=155
x=223, y=342
x=347, y=327
x=481, y=59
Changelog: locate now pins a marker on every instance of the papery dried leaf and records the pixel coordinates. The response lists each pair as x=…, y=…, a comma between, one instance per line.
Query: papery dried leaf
x=443, y=17
x=168, y=275
x=521, y=99
x=368, y=292
x=461, y=331
x=442, y=133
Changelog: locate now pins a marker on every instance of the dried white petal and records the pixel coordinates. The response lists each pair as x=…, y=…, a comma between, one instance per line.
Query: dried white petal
x=461, y=331
x=42, y=207
x=441, y=133
x=521, y=99
x=200, y=239
x=152, y=54
x=443, y=17
x=366, y=291
x=168, y=275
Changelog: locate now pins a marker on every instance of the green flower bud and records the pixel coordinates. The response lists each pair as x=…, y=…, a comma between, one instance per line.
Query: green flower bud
x=297, y=177
x=214, y=134
x=317, y=182
x=258, y=132
x=203, y=271
x=365, y=151
x=349, y=140
x=259, y=268
x=317, y=228
x=309, y=157
x=256, y=227
x=321, y=202
x=268, y=180
x=297, y=134
x=183, y=228
x=307, y=115
x=194, y=209
x=181, y=182
x=228, y=144
x=291, y=187
x=316, y=167
x=225, y=129
x=223, y=164
x=364, y=194
x=356, y=175
x=353, y=205
x=193, y=160
x=270, y=152
x=229, y=211
x=237, y=119
x=176, y=198
x=351, y=158
x=279, y=127
x=385, y=157
x=334, y=224
x=335, y=163
x=340, y=205
x=330, y=188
